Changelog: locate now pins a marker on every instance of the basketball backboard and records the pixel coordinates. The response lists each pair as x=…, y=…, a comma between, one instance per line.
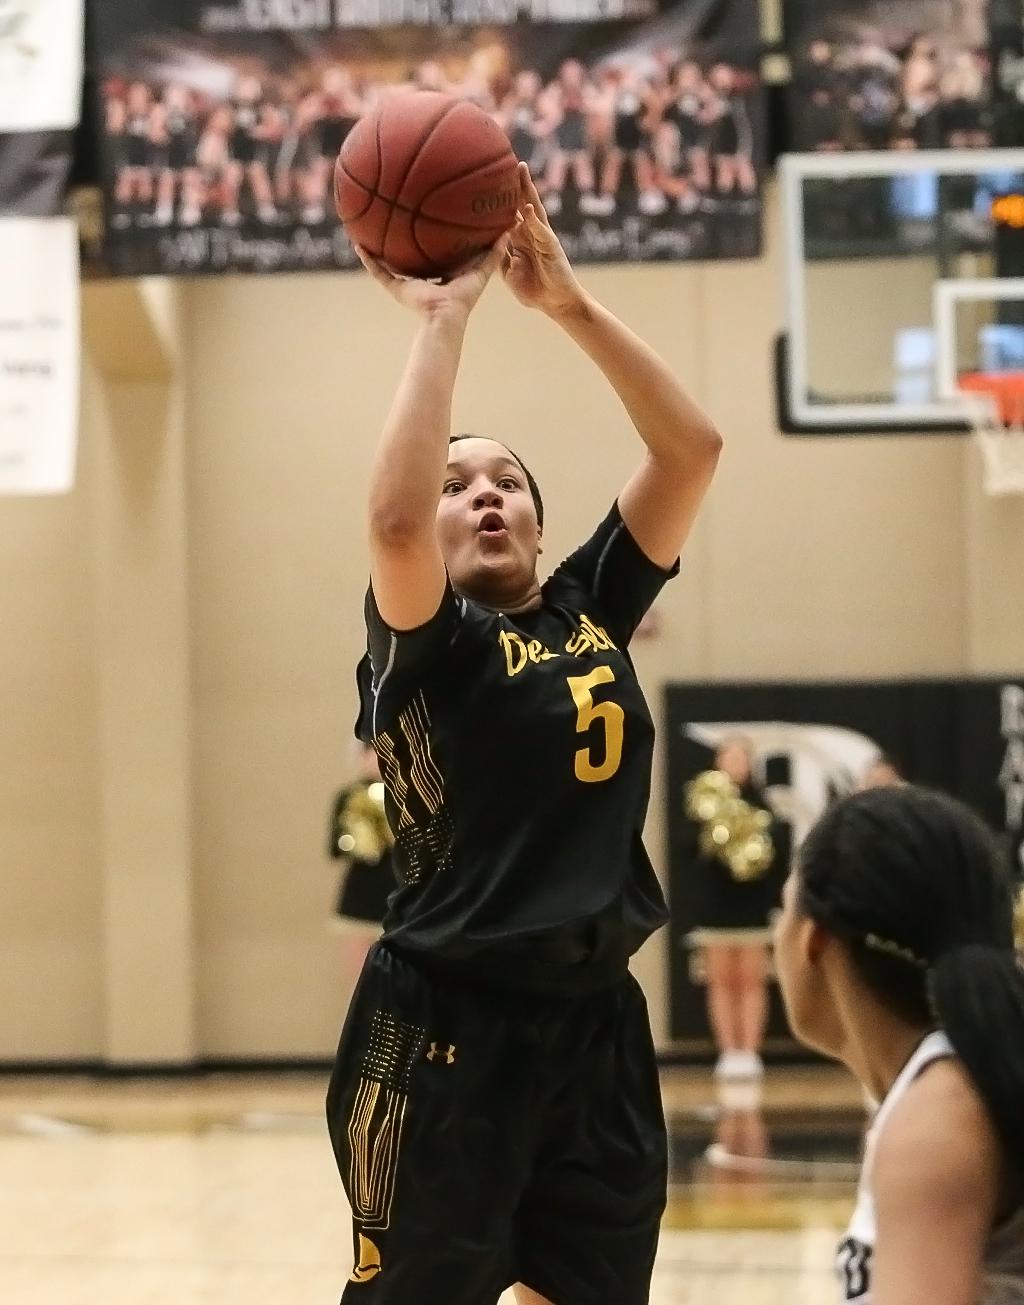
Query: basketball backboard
x=904, y=272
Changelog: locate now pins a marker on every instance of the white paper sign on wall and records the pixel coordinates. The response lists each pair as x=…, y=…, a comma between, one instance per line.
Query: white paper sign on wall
x=40, y=347
x=40, y=64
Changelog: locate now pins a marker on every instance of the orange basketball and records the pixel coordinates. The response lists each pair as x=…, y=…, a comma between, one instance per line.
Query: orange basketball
x=425, y=181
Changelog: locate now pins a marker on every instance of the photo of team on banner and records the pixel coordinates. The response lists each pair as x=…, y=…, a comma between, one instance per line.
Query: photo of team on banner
x=870, y=75
x=667, y=139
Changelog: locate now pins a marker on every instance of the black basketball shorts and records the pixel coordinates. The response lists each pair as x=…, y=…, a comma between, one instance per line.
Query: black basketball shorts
x=485, y=1139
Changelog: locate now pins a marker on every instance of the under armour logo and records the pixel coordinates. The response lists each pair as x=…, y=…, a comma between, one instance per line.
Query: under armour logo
x=447, y=1054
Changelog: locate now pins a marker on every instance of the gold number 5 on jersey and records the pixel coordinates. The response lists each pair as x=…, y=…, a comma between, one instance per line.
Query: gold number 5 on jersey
x=610, y=714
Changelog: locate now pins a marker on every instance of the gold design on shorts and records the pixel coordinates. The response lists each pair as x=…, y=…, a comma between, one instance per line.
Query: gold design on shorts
x=369, y=1261
x=378, y=1113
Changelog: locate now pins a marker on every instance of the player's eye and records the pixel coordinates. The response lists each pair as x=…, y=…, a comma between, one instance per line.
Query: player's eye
x=508, y=482
x=453, y=487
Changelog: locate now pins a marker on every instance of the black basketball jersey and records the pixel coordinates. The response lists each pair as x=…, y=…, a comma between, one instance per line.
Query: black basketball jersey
x=179, y=123
x=247, y=117
x=516, y=750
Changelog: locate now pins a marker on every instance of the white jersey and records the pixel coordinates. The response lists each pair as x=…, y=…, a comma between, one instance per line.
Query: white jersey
x=1004, y=1255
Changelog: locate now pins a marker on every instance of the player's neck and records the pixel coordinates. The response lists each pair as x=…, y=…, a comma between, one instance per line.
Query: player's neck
x=511, y=603
x=877, y=1044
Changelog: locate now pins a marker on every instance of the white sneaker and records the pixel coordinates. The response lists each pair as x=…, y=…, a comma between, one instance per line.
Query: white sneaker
x=552, y=203
x=597, y=205
x=652, y=203
x=728, y=1063
x=737, y=1066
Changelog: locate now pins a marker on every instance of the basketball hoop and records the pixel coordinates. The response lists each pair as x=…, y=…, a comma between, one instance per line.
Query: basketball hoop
x=994, y=404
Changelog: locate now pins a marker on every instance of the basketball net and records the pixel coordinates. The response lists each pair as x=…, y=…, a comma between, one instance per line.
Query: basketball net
x=994, y=404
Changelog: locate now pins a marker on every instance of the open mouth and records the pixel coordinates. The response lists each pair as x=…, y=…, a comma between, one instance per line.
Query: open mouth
x=492, y=524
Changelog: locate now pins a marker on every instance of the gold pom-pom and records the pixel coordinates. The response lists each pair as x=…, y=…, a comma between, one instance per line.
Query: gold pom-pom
x=733, y=831
x=363, y=830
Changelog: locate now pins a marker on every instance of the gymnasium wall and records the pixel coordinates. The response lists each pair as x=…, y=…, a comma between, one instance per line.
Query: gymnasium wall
x=812, y=559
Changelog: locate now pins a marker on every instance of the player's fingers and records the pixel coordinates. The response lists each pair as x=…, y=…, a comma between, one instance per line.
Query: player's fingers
x=483, y=263
x=490, y=260
x=531, y=195
x=374, y=266
x=537, y=229
x=526, y=229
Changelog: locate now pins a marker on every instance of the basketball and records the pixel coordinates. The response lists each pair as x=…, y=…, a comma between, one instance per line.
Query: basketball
x=425, y=181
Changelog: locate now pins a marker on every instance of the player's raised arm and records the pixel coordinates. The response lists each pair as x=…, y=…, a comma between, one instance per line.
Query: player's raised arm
x=661, y=499
x=407, y=570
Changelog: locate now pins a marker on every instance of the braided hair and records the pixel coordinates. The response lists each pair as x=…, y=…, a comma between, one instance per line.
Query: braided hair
x=916, y=886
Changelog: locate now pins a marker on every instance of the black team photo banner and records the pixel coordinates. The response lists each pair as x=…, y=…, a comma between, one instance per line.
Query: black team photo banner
x=642, y=122
x=810, y=744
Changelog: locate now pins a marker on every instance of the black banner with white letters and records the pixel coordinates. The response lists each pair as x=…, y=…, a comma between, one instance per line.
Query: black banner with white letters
x=641, y=120
x=812, y=743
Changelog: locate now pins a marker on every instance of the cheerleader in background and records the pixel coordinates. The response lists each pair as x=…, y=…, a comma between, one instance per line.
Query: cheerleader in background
x=962, y=113
x=361, y=840
x=731, y=136
x=249, y=152
x=732, y=905
x=520, y=117
x=130, y=125
x=918, y=123
x=298, y=172
x=565, y=105
x=883, y=772
x=340, y=109
x=213, y=157
x=633, y=115
x=176, y=138
x=682, y=163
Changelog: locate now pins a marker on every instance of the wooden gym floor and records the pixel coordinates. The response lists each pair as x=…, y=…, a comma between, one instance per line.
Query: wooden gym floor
x=222, y=1191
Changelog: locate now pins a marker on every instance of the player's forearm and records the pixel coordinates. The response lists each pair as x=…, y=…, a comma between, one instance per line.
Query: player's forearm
x=408, y=467
x=668, y=421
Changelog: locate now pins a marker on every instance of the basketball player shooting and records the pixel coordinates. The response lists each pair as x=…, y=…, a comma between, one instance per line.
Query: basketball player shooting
x=495, y=1109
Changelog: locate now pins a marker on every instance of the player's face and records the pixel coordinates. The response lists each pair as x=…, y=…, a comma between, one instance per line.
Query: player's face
x=528, y=85
x=734, y=759
x=804, y=985
x=572, y=74
x=689, y=77
x=880, y=775
x=487, y=522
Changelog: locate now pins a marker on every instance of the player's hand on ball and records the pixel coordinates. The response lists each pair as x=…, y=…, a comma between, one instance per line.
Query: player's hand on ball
x=458, y=294
x=534, y=264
